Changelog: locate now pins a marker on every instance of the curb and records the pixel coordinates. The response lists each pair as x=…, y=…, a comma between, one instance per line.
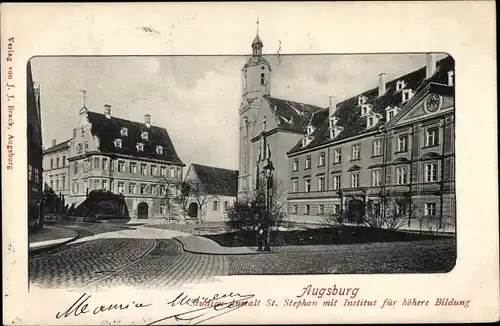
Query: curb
x=213, y=253
x=50, y=247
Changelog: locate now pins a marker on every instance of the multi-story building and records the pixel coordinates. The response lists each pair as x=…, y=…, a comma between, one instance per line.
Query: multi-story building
x=56, y=167
x=397, y=138
x=136, y=161
x=34, y=136
x=215, y=191
x=269, y=126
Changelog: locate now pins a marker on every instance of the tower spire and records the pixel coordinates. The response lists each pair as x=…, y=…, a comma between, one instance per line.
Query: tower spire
x=257, y=22
x=84, y=92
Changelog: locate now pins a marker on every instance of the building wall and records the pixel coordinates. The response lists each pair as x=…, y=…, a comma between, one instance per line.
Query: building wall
x=215, y=209
x=316, y=203
x=56, y=170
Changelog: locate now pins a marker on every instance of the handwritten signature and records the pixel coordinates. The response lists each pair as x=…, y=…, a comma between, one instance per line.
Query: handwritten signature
x=206, y=307
x=81, y=306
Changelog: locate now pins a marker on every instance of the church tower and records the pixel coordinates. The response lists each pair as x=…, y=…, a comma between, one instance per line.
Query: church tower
x=256, y=83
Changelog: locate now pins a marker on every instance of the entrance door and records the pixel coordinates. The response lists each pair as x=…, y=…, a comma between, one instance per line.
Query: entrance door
x=355, y=210
x=142, y=210
x=193, y=210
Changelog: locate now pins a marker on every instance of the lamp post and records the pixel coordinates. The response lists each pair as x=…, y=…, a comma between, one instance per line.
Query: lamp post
x=269, y=171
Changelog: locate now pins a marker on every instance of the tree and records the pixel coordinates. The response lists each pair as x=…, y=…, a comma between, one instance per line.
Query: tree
x=251, y=212
x=169, y=198
x=390, y=211
x=195, y=190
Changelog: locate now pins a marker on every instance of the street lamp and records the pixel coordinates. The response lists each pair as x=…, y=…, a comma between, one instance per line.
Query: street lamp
x=269, y=171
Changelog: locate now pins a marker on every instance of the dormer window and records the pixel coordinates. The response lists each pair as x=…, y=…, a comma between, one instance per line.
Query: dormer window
x=407, y=95
x=159, y=150
x=124, y=132
x=391, y=111
x=335, y=131
x=451, y=78
x=362, y=100
x=372, y=120
x=400, y=85
x=310, y=130
x=118, y=143
x=333, y=121
x=140, y=147
x=306, y=141
x=365, y=109
x=145, y=135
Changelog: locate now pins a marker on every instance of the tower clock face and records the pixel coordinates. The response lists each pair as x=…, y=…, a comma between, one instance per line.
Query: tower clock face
x=433, y=102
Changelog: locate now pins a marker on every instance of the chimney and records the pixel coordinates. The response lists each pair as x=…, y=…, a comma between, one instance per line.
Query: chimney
x=381, y=84
x=54, y=142
x=332, y=106
x=147, y=119
x=107, y=110
x=431, y=65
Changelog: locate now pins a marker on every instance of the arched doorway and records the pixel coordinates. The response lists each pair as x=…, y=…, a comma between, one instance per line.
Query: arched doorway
x=193, y=210
x=355, y=210
x=142, y=210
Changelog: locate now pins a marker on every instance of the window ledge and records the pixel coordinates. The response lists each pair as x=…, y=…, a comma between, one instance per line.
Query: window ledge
x=378, y=155
x=355, y=159
x=337, y=163
x=401, y=152
x=430, y=146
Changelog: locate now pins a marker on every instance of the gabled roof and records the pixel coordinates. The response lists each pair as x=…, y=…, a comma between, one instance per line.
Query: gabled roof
x=107, y=130
x=56, y=147
x=349, y=113
x=292, y=116
x=217, y=181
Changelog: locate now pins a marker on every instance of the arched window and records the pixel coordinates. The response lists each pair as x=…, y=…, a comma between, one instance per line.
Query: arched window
x=262, y=78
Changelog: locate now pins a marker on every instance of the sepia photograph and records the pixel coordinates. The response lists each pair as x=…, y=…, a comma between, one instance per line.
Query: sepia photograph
x=160, y=171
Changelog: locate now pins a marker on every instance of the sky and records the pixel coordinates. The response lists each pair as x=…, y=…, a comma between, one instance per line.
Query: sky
x=196, y=98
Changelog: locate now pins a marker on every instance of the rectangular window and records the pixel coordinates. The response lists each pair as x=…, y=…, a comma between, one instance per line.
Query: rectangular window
x=57, y=184
x=308, y=163
x=216, y=206
x=105, y=185
x=163, y=171
x=121, y=187
x=163, y=209
x=307, y=185
x=75, y=167
x=226, y=205
x=432, y=136
x=337, y=155
x=336, y=182
x=295, y=208
x=401, y=209
x=51, y=184
x=307, y=209
x=321, y=161
x=355, y=180
x=104, y=164
x=295, y=165
x=96, y=163
x=86, y=145
x=430, y=209
x=154, y=170
x=85, y=186
x=133, y=167
x=295, y=185
x=336, y=208
x=376, y=177
x=356, y=151
x=96, y=184
x=143, y=189
x=64, y=161
x=401, y=175
x=321, y=184
x=153, y=189
x=376, y=209
x=51, y=163
x=162, y=190
x=121, y=166
x=377, y=147
x=172, y=172
x=144, y=169
x=402, y=143
x=63, y=181
x=179, y=173
x=75, y=186
x=431, y=172
x=131, y=188
x=57, y=162
x=321, y=209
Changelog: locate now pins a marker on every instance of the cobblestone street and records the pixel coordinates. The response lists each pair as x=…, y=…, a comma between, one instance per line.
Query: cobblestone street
x=161, y=262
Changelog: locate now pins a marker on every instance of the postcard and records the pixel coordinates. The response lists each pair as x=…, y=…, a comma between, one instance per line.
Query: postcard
x=246, y=163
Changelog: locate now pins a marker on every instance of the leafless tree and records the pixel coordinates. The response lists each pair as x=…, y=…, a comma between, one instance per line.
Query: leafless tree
x=195, y=190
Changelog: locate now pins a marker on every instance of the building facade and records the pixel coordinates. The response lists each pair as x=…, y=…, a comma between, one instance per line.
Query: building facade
x=268, y=126
x=216, y=191
x=56, y=168
x=396, y=139
x=34, y=137
x=134, y=160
